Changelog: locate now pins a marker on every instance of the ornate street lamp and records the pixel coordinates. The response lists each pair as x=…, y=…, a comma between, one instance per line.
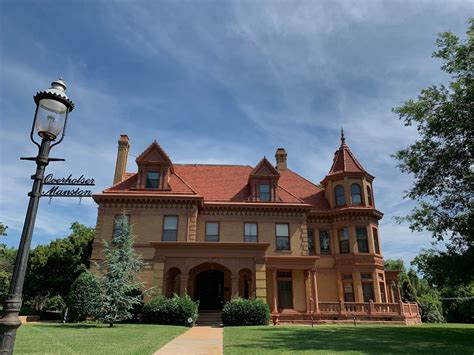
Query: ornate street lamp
x=52, y=109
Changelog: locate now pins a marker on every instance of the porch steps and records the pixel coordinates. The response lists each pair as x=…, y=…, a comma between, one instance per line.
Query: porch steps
x=209, y=318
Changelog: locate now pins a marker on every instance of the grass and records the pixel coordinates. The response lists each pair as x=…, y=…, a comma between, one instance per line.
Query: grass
x=55, y=338
x=346, y=339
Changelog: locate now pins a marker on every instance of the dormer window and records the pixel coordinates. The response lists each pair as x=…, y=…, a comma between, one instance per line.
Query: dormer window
x=152, y=180
x=369, y=196
x=356, y=194
x=340, y=196
x=264, y=192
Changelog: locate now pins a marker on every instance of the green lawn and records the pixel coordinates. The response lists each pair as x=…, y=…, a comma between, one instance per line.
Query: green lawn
x=346, y=339
x=55, y=338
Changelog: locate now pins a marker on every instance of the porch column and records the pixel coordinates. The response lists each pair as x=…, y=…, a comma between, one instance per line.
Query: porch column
x=183, y=290
x=274, y=292
x=398, y=291
x=315, y=290
x=307, y=285
x=235, y=285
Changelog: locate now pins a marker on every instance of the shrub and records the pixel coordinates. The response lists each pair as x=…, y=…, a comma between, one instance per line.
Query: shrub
x=55, y=303
x=240, y=311
x=171, y=311
x=84, y=298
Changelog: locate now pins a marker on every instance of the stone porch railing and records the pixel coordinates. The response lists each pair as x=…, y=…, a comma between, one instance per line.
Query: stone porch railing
x=407, y=313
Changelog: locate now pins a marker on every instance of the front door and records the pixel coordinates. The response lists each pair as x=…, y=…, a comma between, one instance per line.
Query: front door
x=210, y=289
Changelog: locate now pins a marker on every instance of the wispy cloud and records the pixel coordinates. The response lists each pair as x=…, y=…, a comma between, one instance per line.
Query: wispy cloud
x=221, y=82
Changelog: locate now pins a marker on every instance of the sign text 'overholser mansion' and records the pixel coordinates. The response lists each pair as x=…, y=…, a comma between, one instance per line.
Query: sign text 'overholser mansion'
x=216, y=232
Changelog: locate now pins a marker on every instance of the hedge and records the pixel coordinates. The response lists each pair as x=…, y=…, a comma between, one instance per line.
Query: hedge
x=171, y=311
x=241, y=311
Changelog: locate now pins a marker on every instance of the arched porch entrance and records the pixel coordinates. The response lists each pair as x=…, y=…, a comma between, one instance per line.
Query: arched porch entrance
x=210, y=284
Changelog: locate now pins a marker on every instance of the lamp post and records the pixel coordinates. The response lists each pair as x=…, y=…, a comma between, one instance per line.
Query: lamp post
x=52, y=109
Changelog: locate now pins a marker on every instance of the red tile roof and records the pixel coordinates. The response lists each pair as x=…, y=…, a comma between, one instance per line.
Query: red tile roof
x=228, y=183
x=344, y=161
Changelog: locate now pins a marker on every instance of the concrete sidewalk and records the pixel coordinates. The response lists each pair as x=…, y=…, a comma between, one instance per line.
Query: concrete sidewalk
x=197, y=340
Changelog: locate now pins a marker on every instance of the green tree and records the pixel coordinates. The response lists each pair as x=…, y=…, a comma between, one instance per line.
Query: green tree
x=84, y=298
x=3, y=229
x=54, y=267
x=118, y=276
x=441, y=160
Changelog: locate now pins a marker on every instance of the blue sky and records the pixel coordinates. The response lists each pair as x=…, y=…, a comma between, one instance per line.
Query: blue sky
x=218, y=82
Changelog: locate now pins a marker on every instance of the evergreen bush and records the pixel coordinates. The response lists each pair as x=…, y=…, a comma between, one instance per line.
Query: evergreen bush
x=84, y=298
x=171, y=311
x=241, y=311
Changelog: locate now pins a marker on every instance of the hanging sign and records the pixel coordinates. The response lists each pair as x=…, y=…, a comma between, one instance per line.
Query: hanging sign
x=57, y=189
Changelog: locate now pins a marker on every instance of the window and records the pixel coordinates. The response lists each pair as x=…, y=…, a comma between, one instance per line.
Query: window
x=369, y=196
x=212, y=231
x=118, y=223
x=285, y=290
x=362, y=244
x=264, y=192
x=347, y=277
x=152, y=179
x=344, y=241
x=366, y=276
x=340, y=197
x=170, y=228
x=324, y=242
x=382, y=292
x=356, y=194
x=368, y=291
x=348, y=292
x=250, y=232
x=282, y=236
x=376, y=240
x=311, y=246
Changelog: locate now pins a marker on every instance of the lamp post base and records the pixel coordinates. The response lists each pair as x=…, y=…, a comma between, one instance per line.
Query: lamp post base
x=9, y=323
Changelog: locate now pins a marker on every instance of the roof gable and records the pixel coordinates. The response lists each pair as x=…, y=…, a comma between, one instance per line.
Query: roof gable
x=264, y=168
x=154, y=154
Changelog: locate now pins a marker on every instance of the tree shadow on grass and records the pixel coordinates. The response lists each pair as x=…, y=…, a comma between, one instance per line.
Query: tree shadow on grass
x=368, y=340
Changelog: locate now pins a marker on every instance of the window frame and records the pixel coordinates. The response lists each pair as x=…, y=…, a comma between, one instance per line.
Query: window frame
x=375, y=235
x=371, y=284
x=369, y=196
x=350, y=283
x=336, y=188
x=329, y=242
x=150, y=171
x=260, y=192
x=355, y=184
x=360, y=240
x=344, y=241
x=256, y=236
x=276, y=237
x=163, y=228
x=218, y=231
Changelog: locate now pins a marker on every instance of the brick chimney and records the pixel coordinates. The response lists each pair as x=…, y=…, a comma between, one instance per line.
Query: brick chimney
x=122, y=155
x=280, y=157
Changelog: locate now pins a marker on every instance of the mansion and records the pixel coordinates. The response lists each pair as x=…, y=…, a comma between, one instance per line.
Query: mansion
x=311, y=251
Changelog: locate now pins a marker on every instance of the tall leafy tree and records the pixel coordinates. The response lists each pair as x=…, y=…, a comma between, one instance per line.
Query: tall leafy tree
x=442, y=163
x=53, y=268
x=118, y=276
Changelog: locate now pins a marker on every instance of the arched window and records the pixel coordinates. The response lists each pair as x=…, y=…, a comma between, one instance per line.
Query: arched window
x=369, y=196
x=356, y=194
x=340, y=197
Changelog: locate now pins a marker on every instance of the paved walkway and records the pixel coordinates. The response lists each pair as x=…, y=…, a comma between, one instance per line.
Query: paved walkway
x=203, y=340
